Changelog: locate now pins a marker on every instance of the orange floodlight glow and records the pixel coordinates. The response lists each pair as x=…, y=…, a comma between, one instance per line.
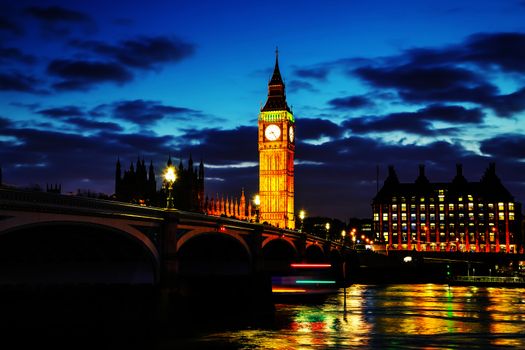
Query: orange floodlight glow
x=311, y=266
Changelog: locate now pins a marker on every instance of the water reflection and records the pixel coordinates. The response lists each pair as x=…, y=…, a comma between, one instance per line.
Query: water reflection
x=397, y=316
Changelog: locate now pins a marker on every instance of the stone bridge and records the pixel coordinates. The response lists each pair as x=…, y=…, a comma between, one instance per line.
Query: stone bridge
x=49, y=238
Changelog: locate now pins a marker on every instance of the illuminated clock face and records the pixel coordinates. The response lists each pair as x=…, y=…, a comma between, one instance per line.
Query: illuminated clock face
x=272, y=132
x=291, y=134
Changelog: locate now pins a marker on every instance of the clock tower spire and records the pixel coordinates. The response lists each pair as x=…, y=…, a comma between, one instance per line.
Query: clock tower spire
x=276, y=139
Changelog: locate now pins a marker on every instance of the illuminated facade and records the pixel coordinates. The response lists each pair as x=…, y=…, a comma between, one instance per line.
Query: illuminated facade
x=276, y=137
x=457, y=216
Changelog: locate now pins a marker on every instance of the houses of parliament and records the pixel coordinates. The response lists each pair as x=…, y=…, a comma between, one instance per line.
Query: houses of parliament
x=138, y=185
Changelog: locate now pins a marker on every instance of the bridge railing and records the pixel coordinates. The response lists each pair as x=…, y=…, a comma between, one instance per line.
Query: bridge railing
x=11, y=199
x=20, y=199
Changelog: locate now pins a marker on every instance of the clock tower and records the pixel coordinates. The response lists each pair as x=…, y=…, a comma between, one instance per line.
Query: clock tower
x=276, y=139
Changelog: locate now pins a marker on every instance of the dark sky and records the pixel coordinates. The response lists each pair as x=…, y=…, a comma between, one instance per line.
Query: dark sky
x=371, y=84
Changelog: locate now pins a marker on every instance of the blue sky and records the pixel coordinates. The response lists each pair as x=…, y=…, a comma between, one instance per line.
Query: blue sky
x=371, y=84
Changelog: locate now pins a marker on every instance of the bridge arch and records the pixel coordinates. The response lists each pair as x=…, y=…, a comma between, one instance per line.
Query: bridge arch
x=314, y=253
x=196, y=233
x=70, y=251
x=278, y=253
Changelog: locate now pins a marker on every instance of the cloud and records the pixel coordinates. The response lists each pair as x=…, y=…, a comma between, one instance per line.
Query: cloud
x=4, y=122
x=351, y=102
x=451, y=114
x=82, y=75
x=57, y=14
x=508, y=105
x=143, y=112
x=505, y=146
x=141, y=52
x=59, y=112
x=316, y=128
x=14, y=81
x=10, y=27
x=414, y=78
x=297, y=85
x=13, y=54
x=222, y=146
x=85, y=124
x=419, y=122
x=391, y=122
x=318, y=72
x=59, y=21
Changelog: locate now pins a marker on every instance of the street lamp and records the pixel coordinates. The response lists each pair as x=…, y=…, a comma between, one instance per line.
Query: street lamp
x=170, y=176
x=257, y=202
x=343, y=234
x=302, y=215
x=327, y=226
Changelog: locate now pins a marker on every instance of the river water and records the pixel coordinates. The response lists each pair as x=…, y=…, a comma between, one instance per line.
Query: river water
x=420, y=316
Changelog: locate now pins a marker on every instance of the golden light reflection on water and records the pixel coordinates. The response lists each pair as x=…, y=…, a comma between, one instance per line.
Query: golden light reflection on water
x=401, y=316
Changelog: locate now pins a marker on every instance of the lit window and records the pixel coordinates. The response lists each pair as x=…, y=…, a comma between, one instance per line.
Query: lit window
x=491, y=216
x=432, y=207
x=460, y=199
x=471, y=206
x=432, y=217
x=423, y=217
x=422, y=199
x=404, y=216
x=451, y=206
x=511, y=206
x=511, y=216
x=394, y=207
x=394, y=217
x=385, y=217
x=491, y=205
x=480, y=205
x=501, y=206
x=376, y=216
x=470, y=199
x=442, y=207
x=432, y=226
x=461, y=206
x=501, y=216
x=441, y=217
x=403, y=207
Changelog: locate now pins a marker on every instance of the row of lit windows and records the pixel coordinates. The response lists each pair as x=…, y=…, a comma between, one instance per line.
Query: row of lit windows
x=441, y=198
x=441, y=216
x=452, y=206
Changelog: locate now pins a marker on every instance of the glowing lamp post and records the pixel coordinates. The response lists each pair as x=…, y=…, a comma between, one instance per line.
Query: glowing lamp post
x=257, y=202
x=327, y=226
x=343, y=235
x=302, y=215
x=170, y=176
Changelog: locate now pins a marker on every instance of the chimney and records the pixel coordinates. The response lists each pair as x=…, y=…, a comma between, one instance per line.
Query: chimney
x=459, y=170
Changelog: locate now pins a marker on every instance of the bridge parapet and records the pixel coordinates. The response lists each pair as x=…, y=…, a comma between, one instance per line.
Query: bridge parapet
x=13, y=199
